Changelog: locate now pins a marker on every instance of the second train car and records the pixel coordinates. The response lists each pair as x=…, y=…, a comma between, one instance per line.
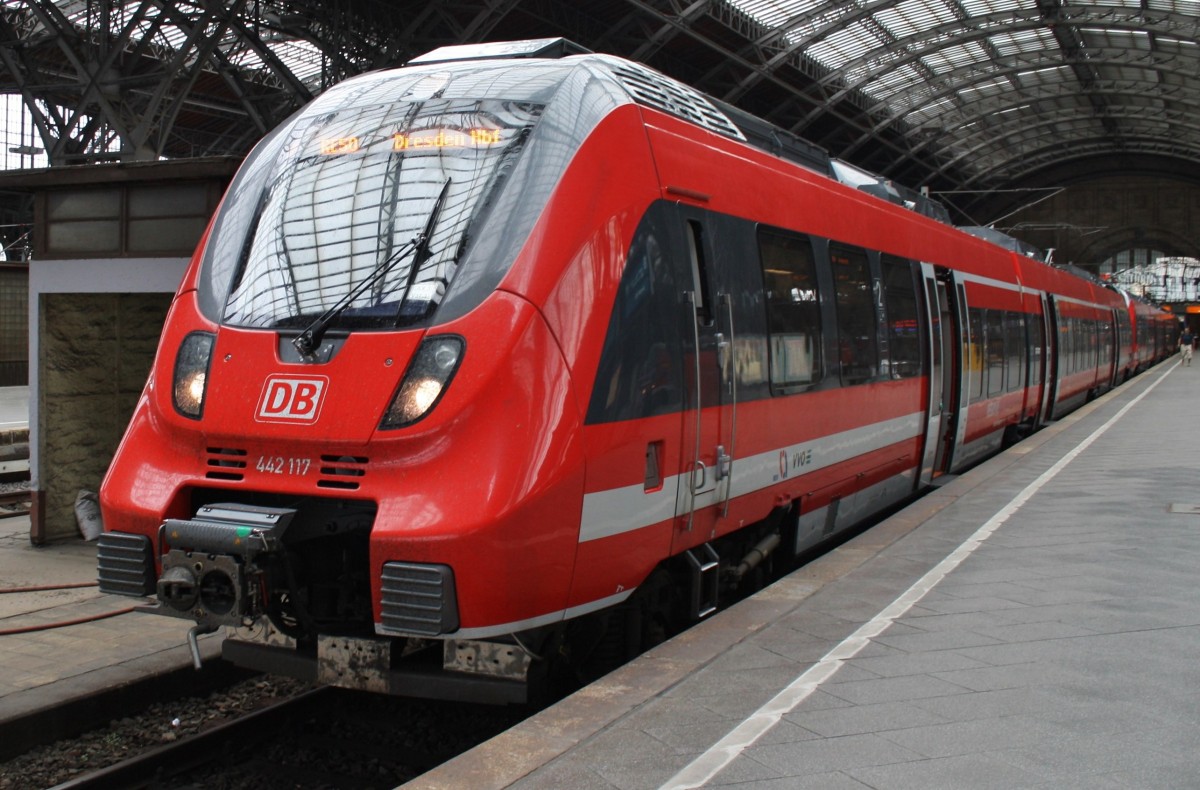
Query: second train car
x=522, y=352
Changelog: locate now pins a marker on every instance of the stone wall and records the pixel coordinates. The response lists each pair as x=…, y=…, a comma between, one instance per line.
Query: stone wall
x=96, y=351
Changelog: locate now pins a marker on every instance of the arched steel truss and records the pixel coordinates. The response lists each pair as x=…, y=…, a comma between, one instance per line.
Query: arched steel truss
x=959, y=95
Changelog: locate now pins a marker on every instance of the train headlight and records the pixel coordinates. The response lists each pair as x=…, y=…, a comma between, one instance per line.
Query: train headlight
x=191, y=373
x=425, y=380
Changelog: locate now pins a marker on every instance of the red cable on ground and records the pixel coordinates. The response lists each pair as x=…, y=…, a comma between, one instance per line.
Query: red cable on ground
x=49, y=587
x=64, y=623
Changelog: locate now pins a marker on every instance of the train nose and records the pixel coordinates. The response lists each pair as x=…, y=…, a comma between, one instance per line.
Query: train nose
x=248, y=390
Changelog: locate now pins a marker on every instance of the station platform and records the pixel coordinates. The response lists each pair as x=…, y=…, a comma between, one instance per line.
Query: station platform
x=1032, y=623
x=64, y=646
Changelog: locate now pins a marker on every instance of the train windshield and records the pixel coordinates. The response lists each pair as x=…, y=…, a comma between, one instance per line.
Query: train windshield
x=349, y=195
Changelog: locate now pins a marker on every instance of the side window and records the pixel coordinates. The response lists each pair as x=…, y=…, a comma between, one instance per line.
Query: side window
x=1075, y=344
x=699, y=261
x=995, y=351
x=858, y=339
x=793, y=309
x=1014, y=327
x=1066, y=351
x=1036, y=362
x=640, y=372
x=1066, y=336
x=1078, y=327
x=900, y=301
x=975, y=360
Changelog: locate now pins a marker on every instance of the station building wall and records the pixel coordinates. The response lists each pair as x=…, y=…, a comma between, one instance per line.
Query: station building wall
x=110, y=246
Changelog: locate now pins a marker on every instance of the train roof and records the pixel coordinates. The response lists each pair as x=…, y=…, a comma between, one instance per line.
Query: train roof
x=651, y=88
x=1004, y=240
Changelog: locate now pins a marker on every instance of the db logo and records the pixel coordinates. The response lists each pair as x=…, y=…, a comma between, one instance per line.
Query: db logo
x=291, y=399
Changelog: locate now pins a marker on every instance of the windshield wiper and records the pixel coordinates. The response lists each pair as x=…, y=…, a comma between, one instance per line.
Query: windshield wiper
x=423, y=251
x=310, y=339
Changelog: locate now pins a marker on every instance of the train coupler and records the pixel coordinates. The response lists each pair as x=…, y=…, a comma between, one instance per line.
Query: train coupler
x=196, y=631
x=211, y=571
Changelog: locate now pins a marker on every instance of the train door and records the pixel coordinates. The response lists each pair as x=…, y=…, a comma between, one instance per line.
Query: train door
x=710, y=413
x=943, y=329
x=1114, y=367
x=1052, y=356
x=1035, y=336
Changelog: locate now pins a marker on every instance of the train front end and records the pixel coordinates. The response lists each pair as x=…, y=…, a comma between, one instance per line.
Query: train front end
x=354, y=450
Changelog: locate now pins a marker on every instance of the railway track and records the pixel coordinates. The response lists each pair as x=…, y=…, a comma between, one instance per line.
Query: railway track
x=323, y=738
x=14, y=495
x=197, y=753
x=13, y=504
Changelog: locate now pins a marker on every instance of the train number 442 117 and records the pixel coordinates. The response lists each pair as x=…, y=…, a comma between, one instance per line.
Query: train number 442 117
x=279, y=465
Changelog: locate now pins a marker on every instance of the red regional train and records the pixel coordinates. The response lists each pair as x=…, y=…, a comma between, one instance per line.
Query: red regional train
x=522, y=352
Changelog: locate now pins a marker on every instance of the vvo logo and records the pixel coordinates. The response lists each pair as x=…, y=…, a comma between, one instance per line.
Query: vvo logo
x=295, y=399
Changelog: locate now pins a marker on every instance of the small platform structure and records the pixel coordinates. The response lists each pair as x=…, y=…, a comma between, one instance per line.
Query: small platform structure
x=110, y=245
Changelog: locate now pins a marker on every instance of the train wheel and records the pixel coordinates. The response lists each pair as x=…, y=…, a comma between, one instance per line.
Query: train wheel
x=599, y=643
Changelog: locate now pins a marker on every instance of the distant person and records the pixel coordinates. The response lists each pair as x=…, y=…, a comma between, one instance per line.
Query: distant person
x=1186, y=341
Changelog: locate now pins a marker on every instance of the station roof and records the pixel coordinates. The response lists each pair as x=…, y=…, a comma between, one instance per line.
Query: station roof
x=968, y=97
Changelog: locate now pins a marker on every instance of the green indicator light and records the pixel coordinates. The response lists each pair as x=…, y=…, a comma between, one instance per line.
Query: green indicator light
x=243, y=532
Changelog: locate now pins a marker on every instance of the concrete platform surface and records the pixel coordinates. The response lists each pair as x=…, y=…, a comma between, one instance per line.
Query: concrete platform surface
x=1034, y=623
x=58, y=642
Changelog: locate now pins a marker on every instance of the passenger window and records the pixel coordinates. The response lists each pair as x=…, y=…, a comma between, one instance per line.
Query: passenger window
x=975, y=361
x=1083, y=345
x=699, y=272
x=1035, y=346
x=1105, y=328
x=858, y=343
x=1014, y=325
x=995, y=351
x=793, y=309
x=1065, y=345
x=900, y=301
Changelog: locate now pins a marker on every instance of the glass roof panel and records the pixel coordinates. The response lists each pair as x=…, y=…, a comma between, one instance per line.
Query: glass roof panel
x=956, y=56
x=930, y=111
x=866, y=44
x=999, y=120
x=910, y=17
x=843, y=45
x=1046, y=75
x=302, y=58
x=1185, y=46
x=898, y=80
x=984, y=88
x=1188, y=7
x=985, y=7
x=774, y=13
x=1023, y=42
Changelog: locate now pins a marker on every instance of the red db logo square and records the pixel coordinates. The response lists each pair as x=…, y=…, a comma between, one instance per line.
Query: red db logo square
x=295, y=399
